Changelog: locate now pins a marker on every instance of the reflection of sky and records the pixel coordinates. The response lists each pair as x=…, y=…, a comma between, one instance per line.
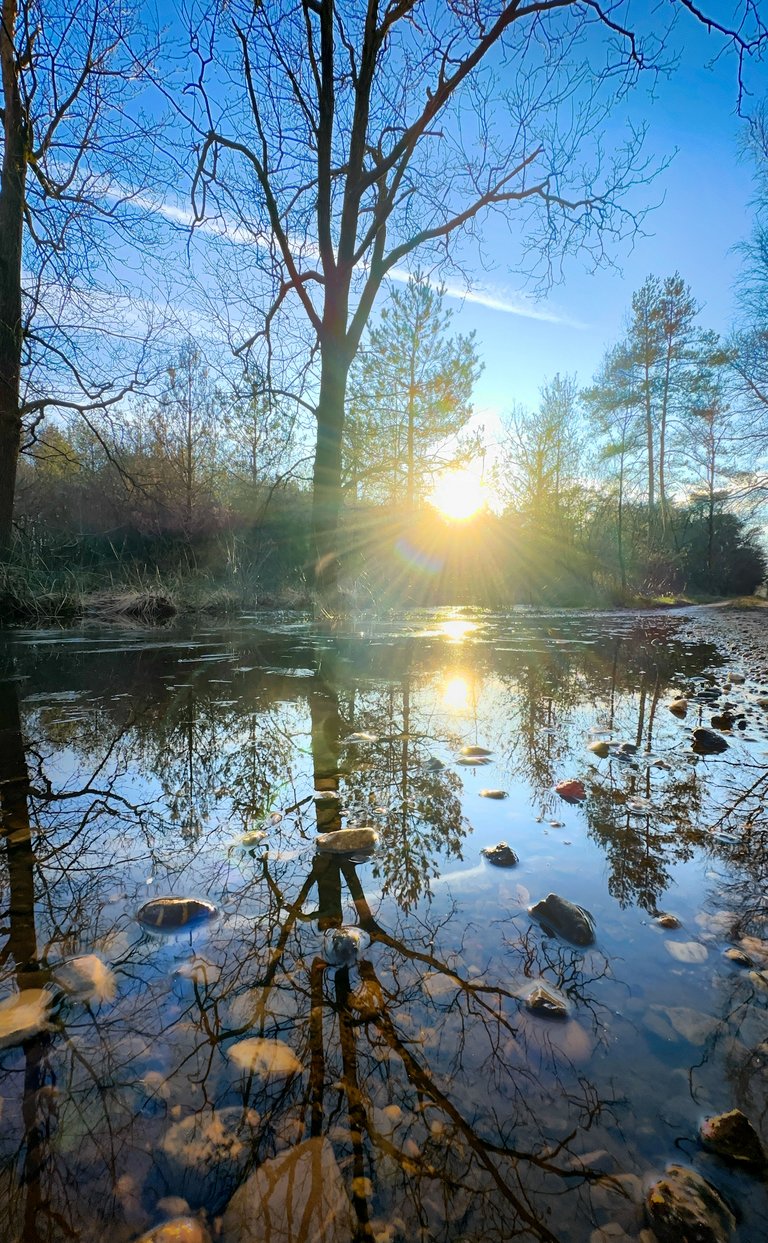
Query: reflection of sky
x=530, y=693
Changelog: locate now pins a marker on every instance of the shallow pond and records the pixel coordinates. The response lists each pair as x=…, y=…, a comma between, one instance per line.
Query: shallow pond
x=404, y=1090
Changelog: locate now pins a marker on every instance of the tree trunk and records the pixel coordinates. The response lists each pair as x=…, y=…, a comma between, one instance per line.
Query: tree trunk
x=11, y=225
x=326, y=496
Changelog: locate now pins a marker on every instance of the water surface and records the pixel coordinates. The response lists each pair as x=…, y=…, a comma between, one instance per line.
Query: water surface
x=202, y=763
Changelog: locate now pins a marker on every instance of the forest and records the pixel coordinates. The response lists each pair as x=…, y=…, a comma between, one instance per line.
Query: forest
x=292, y=439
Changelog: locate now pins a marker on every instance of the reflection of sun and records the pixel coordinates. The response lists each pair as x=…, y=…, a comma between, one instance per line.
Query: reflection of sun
x=458, y=494
x=456, y=694
x=456, y=629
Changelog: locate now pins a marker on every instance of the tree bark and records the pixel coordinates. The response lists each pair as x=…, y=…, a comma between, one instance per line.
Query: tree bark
x=326, y=479
x=12, y=185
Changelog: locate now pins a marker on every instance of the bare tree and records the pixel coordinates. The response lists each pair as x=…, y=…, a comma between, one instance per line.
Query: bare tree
x=346, y=137
x=69, y=81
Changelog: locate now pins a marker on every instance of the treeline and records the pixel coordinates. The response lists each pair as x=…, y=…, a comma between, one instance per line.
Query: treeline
x=643, y=483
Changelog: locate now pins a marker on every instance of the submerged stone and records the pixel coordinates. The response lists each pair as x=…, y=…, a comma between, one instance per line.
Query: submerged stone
x=738, y=957
x=601, y=749
x=341, y=946
x=501, y=855
x=683, y=1207
x=170, y=913
x=565, y=918
x=347, y=841
x=678, y=707
x=24, y=1015
x=179, y=1230
x=88, y=978
x=571, y=790
x=269, y=1058
x=298, y=1195
x=665, y=920
x=547, y=1001
x=732, y=1136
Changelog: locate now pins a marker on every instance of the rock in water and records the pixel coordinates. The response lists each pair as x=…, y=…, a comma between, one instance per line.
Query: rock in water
x=705, y=742
x=547, y=1001
x=684, y=1208
x=180, y=1230
x=475, y=752
x=739, y=957
x=571, y=790
x=341, y=946
x=169, y=913
x=298, y=1195
x=665, y=920
x=88, y=978
x=493, y=794
x=272, y=1059
x=501, y=856
x=348, y=841
x=24, y=1015
x=565, y=918
x=733, y=1137
x=601, y=749
x=679, y=707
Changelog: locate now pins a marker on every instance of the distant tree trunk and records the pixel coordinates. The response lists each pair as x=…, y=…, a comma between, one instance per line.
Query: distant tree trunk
x=12, y=186
x=620, y=525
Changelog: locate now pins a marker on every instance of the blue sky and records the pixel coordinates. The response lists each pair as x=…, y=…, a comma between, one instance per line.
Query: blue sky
x=705, y=209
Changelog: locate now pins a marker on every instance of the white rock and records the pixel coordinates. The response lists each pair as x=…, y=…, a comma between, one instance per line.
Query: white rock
x=87, y=978
x=24, y=1015
x=268, y=1058
x=343, y=841
x=687, y=951
x=297, y=1197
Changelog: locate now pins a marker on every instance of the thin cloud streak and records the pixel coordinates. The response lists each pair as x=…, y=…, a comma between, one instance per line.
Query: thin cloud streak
x=240, y=236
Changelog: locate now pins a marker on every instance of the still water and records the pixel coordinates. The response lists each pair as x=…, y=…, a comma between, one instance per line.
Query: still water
x=408, y=1093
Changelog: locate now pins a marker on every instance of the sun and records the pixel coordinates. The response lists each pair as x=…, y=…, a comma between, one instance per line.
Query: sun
x=458, y=494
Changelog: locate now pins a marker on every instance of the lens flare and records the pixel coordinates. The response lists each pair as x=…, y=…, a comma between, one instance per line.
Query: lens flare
x=458, y=494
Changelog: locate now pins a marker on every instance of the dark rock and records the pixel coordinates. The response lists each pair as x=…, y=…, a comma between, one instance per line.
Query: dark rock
x=501, y=856
x=547, y=1002
x=705, y=742
x=733, y=1137
x=723, y=721
x=626, y=748
x=683, y=1207
x=565, y=919
x=169, y=913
